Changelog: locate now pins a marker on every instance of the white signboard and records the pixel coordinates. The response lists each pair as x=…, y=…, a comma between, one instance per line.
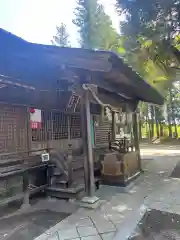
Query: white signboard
x=35, y=118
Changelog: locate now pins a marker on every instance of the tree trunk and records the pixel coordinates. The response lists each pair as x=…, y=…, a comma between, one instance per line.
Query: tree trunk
x=157, y=122
x=146, y=127
x=152, y=120
x=176, y=131
x=172, y=114
x=149, y=128
x=140, y=129
x=161, y=129
x=169, y=126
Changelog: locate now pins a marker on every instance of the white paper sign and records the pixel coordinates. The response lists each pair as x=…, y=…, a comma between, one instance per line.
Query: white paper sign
x=36, y=118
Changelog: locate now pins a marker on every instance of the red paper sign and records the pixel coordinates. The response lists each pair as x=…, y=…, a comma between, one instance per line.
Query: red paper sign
x=35, y=125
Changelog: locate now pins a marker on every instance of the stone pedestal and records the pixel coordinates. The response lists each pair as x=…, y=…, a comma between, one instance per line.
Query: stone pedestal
x=90, y=202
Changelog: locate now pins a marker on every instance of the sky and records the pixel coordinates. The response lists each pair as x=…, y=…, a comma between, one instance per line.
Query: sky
x=36, y=20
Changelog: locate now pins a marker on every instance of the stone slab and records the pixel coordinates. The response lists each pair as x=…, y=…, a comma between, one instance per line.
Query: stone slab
x=53, y=237
x=84, y=222
x=87, y=231
x=94, y=237
x=68, y=233
x=90, y=200
x=106, y=227
x=108, y=236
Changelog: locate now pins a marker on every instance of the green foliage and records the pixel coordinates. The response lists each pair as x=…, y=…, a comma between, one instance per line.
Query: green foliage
x=86, y=16
x=157, y=19
x=62, y=37
x=95, y=26
x=173, y=101
x=152, y=30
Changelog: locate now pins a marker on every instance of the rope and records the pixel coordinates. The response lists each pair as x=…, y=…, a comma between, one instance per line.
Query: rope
x=88, y=88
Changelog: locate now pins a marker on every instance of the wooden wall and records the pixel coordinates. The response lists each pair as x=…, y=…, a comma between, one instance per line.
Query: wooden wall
x=60, y=145
x=13, y=129
x=58, y=129
x=101, y=133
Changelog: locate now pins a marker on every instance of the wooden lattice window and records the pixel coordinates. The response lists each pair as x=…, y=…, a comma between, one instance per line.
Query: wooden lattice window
x=45, y=132
x=75, y=126
x=56, y=125
x=102, y=131
x=13, y=129
x=60, y=126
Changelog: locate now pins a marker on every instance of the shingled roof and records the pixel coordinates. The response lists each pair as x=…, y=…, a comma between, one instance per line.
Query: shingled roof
x=41, y=66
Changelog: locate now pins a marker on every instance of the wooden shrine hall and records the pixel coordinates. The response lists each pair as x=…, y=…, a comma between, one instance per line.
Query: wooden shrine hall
x=59, y=109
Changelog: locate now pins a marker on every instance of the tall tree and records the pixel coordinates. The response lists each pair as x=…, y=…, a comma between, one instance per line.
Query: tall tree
x=95, y=26
x=87, y=22
x=62, y=37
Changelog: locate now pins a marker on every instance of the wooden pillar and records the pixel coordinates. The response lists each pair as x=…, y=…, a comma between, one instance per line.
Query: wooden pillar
x=52, y=126
x=87, y=142
x=136, y=137
x=26, y=189
x=84, y=140
x=25, y=173
x=29, y=132
x=113, y=125
x=70, y=170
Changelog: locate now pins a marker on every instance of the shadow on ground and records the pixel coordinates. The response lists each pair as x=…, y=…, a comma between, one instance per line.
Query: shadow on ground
x=157, y=225
x=176, y=172
x=30, y=225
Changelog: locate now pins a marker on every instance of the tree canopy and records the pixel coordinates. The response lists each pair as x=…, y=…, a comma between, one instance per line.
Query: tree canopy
x=152, y=33
x=160, y=16
x=95, y=26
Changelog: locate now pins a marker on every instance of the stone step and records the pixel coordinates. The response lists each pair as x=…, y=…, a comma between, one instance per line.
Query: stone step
x=61, y=184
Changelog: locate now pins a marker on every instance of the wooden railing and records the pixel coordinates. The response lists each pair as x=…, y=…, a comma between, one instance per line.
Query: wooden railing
x=17, y=171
